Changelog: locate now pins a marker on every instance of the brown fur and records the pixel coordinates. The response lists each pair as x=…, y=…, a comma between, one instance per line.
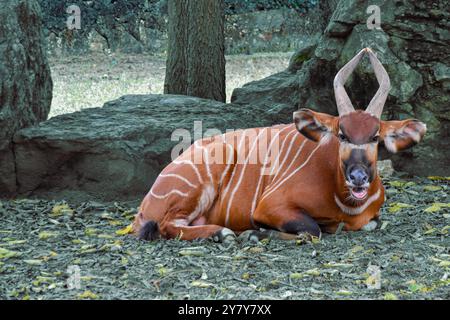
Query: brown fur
x=359, y=126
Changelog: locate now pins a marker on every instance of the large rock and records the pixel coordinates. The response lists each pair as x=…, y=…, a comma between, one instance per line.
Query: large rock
x=412, y=44
x=136, y=26
x=25, y=82
x=115, y=152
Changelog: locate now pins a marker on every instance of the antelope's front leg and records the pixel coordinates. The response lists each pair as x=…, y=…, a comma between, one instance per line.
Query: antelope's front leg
x=289, y=223
x=366, y=222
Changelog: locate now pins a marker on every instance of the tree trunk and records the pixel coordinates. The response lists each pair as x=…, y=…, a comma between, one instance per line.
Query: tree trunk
x=206, y=60
x=196, y=54
x=176, y=65
x=25, y=80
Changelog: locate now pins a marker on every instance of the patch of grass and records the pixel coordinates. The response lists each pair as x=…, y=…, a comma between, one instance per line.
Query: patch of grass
x=90, y=81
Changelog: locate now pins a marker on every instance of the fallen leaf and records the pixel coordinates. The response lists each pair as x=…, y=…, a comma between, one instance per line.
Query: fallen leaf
x=6, y=254
x=337, y=264
x=401, y=184
x=196, y=253
x=356, y=249
x=15, y=242
x=127, y=230
x=33, y=262
x=344, y=293
x=44, y=235
x=438, y=178
x=390, y=296
x=296, y=275
x=432, y=188
x=313, y=272
x=87, y=295
x=61, y=209
x=397, y=206
x=437, y=206
x=90, y=232
x=246, y=276
x=201, y=284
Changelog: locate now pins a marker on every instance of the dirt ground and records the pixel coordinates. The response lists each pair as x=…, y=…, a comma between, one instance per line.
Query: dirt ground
x=81, y=82
x=58, y=250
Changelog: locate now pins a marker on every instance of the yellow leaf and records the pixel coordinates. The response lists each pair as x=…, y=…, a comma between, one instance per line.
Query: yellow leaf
x=396, y=184
x=60, y=210
x=90, y=231
x=246, y=276
x=313, y=272
x=162, y=271
x=371, y=281
x=125, y=231
x=438, y=178
x=390, y=296
x=432, y=188
x=444, y=263
x=87, y=295
x=315, y=240
x=445, y=229
x=296, y=275
x=115, y=222
x=6, y=254
x=437, y=206
x=15, y=242
x=44, y=235
x=401, y=184
x=397, y=206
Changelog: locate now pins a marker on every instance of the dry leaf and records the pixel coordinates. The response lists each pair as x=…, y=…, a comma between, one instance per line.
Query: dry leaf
x=127, y=230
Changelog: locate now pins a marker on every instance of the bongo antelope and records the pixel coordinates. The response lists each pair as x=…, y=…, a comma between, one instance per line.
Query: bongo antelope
x=325, y=174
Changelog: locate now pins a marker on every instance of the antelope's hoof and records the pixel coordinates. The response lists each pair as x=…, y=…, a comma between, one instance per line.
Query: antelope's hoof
x=249, y=236
x=225, y=235
x=372, y=225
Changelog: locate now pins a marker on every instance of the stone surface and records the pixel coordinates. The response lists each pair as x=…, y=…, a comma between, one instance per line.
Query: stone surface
x=116, y=151
x=412, y=45
x=25, y=81
x=136, y=26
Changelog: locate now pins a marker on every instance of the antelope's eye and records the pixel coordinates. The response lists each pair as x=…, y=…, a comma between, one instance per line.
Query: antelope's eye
x=376, y=138
x=342, y=137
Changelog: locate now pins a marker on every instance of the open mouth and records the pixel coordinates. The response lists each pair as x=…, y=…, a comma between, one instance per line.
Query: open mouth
x=359, y=193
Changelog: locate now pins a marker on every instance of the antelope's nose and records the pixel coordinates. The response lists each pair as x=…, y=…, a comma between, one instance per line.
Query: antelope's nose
x=358, y=176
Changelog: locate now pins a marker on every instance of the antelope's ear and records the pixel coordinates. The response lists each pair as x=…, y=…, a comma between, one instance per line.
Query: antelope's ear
x=400, y=135
x=314, y=125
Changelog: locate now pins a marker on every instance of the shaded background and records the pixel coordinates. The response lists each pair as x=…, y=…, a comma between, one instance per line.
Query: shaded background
x=281, y=55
